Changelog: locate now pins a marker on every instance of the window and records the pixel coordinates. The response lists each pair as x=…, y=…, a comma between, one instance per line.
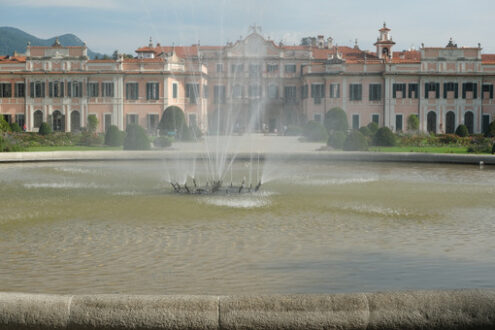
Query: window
x=317, y=92
x=355, y=92
x=55, y=89
x=37, y=118
x=290, y=94
x=399, y=88
x=152, y=122
x=175, y=88
x=271, y=67
x=93, y=89
x=485, y=123
x=237, y=91
x=219, y=67
x=108, y=121
x=375, y=118
x=5, y=90
x=205, y=91
x=107, y=89
x=413, y=91
x=192, y=120
x=152, y=91
x=488, y=89
x=192, y=92
x=254, y=91
x=470, y=87
x=237, y=68
x=20, y=120
x=398, y=123
x=254, y=70
x=37, y=89
x=74, y=89
x=290, y=68
x=450, y=87
x=132, y=119
x=131, y=91
x=334, y=91
x=355, y=121
x=432, y=87
x=219, y=94
x=20, y=90
x=304, y=92
x=375, y=92
x=273, y=92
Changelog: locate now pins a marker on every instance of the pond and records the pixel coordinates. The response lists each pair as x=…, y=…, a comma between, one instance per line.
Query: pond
x=314, y=227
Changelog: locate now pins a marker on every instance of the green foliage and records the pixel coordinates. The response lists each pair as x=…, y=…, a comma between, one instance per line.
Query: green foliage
x=452, y=139
x=172, y=120
x=45, y=129
x=493, y=149
x=337, y=139
x=114, y=137
x=136, y=138
x=384, y=137
x=92, y=123
x=412, y=123
x=336, y=120
x=491, y=130
x=315, y=132
x=462, y=131
x=365, y=131
x=162, y=142
x=7, y=145
x=187, y=134
x=293, y=131
x=355, y=141
x=86, y=138
x=373, y=127
x=4, y=126
x=15, y=128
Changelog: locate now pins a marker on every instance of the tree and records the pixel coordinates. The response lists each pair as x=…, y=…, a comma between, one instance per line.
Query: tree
x=45, y=129
x=491, y=130
x=92, y=123
x=115, y=54
x=462, y=131
x=355, y=141
x=136, y=138
x=4, y=126
x=114, y=137
x=384, y=137
x=412, y=123
x=173, y=120
x=336, y=120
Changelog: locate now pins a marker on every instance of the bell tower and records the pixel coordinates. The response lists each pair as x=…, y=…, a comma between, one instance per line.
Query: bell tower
x=384, y=44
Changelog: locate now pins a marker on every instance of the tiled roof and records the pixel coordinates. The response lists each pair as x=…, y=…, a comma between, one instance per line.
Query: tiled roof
x=488, y=58
x=102, y=61
x=408, y=56
x=12, y=59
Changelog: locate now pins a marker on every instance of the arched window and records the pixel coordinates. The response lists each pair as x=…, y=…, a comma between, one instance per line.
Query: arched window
x=75, y=121
x=469, y=121
x=58, y=121
x=431, y=122
x=37, y=118
x=450, y=122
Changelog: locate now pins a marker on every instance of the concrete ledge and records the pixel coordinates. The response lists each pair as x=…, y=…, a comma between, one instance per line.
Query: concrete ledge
x=457, y=309
x=118, y=155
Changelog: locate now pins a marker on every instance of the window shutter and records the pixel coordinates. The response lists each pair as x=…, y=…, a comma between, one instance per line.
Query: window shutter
x=62, y=91
x=43, y=86
x=427, y=87
x=475, y=90
x=50, y=89
x=31, y=89
x=463, y=90
x=69, y=89
x=444, y=90
x=456, y=90
x=437, y=92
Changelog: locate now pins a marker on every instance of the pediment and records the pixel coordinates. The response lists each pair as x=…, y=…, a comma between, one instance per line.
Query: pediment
x=254, y=45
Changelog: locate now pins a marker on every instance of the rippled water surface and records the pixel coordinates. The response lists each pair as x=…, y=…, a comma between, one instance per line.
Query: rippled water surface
x=115, y=227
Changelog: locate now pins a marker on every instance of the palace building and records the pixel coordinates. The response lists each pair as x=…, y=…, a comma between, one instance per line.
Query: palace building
x=279, y=85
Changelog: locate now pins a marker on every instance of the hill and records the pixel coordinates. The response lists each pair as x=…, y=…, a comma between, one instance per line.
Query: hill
x=13, y=39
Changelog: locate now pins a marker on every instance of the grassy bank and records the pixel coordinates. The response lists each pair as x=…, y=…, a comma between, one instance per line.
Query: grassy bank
x=428, y=149
x=69, y=148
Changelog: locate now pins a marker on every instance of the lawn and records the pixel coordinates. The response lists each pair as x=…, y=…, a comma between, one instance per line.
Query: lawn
x=440, y=150
x=70, y=148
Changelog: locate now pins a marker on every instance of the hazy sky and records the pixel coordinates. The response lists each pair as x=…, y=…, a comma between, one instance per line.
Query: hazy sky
x=125, y=25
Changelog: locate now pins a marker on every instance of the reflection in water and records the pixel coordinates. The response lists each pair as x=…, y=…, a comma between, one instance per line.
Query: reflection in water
x=323, y=227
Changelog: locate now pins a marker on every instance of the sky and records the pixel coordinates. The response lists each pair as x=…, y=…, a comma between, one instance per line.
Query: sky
x=125, y=25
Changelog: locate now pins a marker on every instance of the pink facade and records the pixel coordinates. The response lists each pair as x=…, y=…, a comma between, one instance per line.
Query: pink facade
x=443, y=86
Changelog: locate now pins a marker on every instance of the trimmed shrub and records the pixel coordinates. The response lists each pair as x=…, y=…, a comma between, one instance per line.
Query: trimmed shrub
x=162, y=142
x=45, y=129
x=293, y=131
x=114, y=137
x=365, y=131
x=4, y=126
x=355, y=141
x=491, y=130
x=412, y=123
x=493, y=149
x=315, y=132
x=373, y=127
x=136, y=138
x=336, y=139
x=92, y=123
x=462, y=131
x=336, y=120
x=14, y=127
x=172, y=120
x=384, y=137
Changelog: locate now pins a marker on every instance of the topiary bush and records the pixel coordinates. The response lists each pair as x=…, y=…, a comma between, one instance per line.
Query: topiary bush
x=45, y=129
x=412, y=123
x=365, y=131
x=136, y=138
x=384, y=137
x=355, y=141
x=172, y=120
x=14, y=127
x=491, y=130
x=92, y=123
x=336, y=139
x=162, y=142
x=336, y=120
x=462, y=131
x=4, y=126
x=315, y=132
x=373, y=127
x=114, y=137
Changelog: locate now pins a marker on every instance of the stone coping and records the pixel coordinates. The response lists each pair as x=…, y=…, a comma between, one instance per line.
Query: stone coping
x=119, y=155
x=456, y=309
